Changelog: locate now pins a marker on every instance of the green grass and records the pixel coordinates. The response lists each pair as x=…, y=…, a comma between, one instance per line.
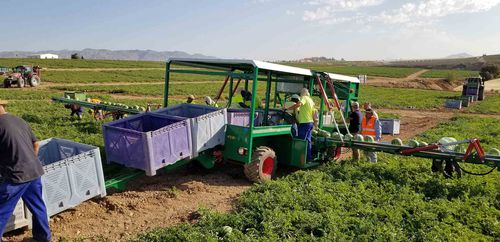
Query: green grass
x=490, y=105
x=383, y=97
x=397, y=199
x=122, y=76
x=357, y=70
x=69, y=64
x=380, y=97
x=460, y=74
x=466, y=127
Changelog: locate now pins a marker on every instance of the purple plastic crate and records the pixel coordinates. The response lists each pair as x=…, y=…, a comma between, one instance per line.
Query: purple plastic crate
x=148, y=141
x=208, y=124
x=241, y=117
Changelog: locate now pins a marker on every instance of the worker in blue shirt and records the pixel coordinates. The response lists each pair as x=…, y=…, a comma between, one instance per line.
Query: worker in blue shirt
x=20, y=174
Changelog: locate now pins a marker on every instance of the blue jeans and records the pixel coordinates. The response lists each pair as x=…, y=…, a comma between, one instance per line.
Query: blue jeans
x=31, y=193
x=305, y=131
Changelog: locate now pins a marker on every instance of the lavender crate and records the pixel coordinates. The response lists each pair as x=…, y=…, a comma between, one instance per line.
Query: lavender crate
x=241, y=117
x=207, y=124
x=148, y=141
x=73, y=174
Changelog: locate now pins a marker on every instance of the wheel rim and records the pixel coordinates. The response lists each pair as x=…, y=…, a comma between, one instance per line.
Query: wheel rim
x=268, y=166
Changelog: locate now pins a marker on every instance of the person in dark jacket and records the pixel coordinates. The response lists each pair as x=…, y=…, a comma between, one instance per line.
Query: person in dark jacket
x=355, y=118
x=20, y=172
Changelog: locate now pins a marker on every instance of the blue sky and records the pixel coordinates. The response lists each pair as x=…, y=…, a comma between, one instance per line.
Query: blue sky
x=259, y=29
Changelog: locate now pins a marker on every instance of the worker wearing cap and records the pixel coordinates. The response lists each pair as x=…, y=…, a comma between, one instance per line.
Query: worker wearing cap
x=210, y=102
x=305, y=118
x=370, y=125
x=190, y=99
x=355, y=118
x=20, y=172
x=367, y=106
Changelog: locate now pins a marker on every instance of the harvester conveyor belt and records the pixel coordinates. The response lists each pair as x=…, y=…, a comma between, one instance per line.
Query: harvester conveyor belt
x=103, y=107
x=396, y=149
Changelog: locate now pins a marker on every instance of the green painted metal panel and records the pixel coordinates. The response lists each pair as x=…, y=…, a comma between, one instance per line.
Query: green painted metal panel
x=237, y=137
x=266, y=131
x=167, y=82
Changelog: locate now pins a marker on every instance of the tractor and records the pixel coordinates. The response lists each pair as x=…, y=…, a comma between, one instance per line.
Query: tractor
x=22, y=76
x=474, y=86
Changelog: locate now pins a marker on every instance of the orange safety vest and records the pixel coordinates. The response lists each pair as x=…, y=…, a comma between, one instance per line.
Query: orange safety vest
x=368, y=126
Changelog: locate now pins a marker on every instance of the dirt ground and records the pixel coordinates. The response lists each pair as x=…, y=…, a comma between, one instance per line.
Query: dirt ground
x=148, y=203
x=171, y=198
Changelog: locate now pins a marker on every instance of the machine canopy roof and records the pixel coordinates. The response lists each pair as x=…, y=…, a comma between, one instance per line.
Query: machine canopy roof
x=243, y=65
x=249, y=65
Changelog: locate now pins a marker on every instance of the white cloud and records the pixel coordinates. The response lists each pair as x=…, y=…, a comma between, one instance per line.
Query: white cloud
x=326, y=12
x=417, y=12
x=434, y=9
x=290, y=12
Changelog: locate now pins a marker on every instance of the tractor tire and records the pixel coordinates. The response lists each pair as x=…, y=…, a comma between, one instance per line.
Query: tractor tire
x=20, y=82
x=34, y=81
x=464, y=90
x=6, y=83
x=480, y=97
x=263, y=165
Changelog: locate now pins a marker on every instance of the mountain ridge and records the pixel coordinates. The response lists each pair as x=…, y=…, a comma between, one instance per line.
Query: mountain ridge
x=106, y=54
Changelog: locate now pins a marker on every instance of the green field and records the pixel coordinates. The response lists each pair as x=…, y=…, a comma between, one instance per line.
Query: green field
x=490, y=105
x=459, y=74
x=380, y=97
x=70, y=64
x=358, y=70
x=397, y=199
x=383, y=97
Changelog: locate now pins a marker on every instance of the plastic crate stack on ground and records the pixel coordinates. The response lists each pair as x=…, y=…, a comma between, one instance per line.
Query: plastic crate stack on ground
x=73, y=174
x=148, y=141
x=207, y=124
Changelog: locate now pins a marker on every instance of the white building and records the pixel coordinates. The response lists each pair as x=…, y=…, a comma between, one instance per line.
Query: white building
x=44, y=56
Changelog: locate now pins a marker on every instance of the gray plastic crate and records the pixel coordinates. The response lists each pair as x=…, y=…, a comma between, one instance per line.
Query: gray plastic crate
x=453, y=103
x=73, y=174
x=390, y=126
x=208, y=124
x=21, y=217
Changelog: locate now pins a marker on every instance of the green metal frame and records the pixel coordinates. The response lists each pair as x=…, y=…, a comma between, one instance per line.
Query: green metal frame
x=277, y=137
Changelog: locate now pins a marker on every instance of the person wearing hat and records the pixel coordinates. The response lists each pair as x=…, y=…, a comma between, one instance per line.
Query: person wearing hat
x=355, y=118
x=210, y=102
x=190, y=99
x=20, y=173
x=305, y=118
x=370, y=125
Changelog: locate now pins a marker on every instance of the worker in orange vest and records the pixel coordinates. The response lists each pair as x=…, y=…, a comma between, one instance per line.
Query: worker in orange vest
x=370, y=125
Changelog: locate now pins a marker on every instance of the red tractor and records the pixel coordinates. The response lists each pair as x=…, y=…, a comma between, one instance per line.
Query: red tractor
x=22, y=76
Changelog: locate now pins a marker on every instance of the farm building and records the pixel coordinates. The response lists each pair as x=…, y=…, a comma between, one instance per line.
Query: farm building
x=44, y=56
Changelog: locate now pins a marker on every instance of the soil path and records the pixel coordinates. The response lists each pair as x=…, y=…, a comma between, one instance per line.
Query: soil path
x=416, y=74
x=492, y=85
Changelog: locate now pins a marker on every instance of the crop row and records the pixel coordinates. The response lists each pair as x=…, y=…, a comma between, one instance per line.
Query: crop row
x=397, y=199
x=70, y=64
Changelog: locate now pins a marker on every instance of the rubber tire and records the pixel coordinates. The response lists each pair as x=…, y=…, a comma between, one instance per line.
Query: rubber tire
x=480, y=97
x=34, y=81
x=253, y=170
x=6, y=83
x=464, y=90
x=20, y=82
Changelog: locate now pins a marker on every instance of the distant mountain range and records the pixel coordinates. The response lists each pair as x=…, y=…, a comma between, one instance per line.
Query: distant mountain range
x=104, y=54
x=459, y=55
